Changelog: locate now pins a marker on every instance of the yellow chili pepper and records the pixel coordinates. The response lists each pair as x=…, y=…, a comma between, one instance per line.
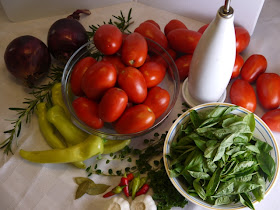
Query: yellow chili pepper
x=91, y=146
x=48, y=131
x=57, y=98
x=112, y=146
x=67, y=129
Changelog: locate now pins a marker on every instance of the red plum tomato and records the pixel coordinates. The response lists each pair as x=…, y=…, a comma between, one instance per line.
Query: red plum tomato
x=158, y=100
x=134, y=50
x=183, y=65
x=115, y=60
x=153, y=22
x=243, y=94
x=268, y=90
x=239, y=61
x=108, y=39
x=87, y=111
x=77, y=74
x=183, y=40
x=165, y=58
x=112, y=104
x=254, y=66
x=98, y=78
x=135, y=119
x=153, y=73
x=132, y=81
x=152, y=32
x=242, y=38
x=272, y=119
x=202, y=28
x=173, y=24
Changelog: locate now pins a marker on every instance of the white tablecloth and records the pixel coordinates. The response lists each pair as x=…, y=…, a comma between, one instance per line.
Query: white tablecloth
x=24, y=185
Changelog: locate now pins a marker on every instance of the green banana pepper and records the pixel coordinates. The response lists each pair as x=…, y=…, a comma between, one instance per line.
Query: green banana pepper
x=67, y=129
x=57, y=98
x=112, y=146
x=48, y=131
x=91, y=146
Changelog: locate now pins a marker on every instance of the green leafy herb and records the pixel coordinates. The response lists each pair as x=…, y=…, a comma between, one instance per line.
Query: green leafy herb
x=218, y=158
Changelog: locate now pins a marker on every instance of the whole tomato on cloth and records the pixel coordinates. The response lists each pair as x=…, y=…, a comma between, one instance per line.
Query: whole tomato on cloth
x=153, y=73
x=149, y=30
x=243, y=94
x=132, y=81
x=77, y=74
x=272, y=119
x=153, y=22
x=268, y=90
x=242, y=38
x=108, y=39
x=183, y=65
x=158, y=100
x=254, y=66
x=87, y=111
x=134, y=50
x=115, y=60
x=202, y=28
x=173, y=24
x=183, y=40
x=98, y=78
x=112, y=104
x=239, y=61
x=135, y=119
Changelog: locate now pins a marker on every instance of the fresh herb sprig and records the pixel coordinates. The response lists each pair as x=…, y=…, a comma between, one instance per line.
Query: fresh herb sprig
x=40, y=93
x=121, y=22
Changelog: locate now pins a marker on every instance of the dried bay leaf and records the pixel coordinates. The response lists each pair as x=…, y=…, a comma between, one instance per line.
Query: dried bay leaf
x=80, y=180
x=97, y=189
x=82, y=189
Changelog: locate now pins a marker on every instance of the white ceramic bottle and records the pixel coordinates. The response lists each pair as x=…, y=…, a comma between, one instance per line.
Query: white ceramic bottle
x=213, y=59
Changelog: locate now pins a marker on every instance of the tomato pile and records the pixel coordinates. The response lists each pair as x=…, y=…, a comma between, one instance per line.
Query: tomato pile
x=122, y=88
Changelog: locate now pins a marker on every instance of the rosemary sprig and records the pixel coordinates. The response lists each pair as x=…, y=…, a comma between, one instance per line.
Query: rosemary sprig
x=40, y=93
x=122, y=23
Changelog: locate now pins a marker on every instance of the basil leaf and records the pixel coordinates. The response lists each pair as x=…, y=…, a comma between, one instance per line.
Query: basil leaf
x=199, y=190
x=250, y=120
x=267, y=164
x=218, y=111
x=246, y=201
x=260, y=191
x=263, y=146
x=228, y=121
x=199, y=175
x=223, y=200
x=213, y=183
x=227, y=142
x=253, y=148
x=195, y=119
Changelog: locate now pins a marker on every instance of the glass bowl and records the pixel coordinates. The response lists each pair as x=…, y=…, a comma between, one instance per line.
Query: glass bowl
x=171, y=83
x=261, y=132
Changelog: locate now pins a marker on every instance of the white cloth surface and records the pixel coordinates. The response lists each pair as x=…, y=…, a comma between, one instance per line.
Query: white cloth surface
x=24, y=185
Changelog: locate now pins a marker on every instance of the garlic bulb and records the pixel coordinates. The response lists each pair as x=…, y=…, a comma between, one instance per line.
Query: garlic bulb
x=143, y=202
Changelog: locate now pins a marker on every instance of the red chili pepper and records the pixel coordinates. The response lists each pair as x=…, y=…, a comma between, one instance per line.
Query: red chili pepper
x=143, y=190
x=130, y=176
x=124, y=182
x=114, y=191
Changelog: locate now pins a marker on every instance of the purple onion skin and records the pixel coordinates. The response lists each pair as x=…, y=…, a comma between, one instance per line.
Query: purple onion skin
x=28, y=59
x=65, y=36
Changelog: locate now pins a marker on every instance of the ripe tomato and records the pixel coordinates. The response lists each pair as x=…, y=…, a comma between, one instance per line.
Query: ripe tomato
x=239, y=61
x=268, y=90
x=115, y=60
x=152, y=32
x=243, y=94
x=77, y=74
x=132, y=81
x=134, y=50
x=135, y=119
x=153, y=22
x=254, y=66
x=272, y=119
x=108, y=39
x=183, y=65
x=242, y=38
x=202, y=28
x=173, y=24
x=87, y=111
x=98, y=78
x=158, y=100
x=164, y=58
x=112, y=104
x=153, y=73
x=183, y=40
